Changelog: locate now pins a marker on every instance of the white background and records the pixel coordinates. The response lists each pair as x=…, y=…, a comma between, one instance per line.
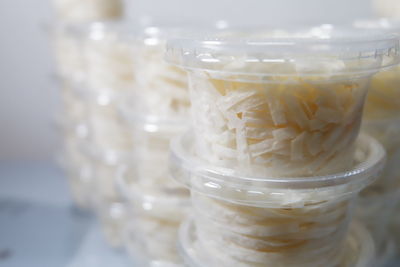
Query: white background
x=28, y=96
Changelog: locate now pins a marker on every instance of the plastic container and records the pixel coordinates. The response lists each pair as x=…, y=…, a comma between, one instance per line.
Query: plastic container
x=156, y=202
x=279, y=106
x=109, y=204
x=161, y=90
x=294, y=221
x=383, y=99
x=78, y=168
x=67, y=45
x=112, y=217
x=359, y=246
x=108, y=56
x=77, y=11
x=376, y=207
x=153, y=218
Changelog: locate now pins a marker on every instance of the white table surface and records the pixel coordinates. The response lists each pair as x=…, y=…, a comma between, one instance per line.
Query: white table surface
x=39, y=227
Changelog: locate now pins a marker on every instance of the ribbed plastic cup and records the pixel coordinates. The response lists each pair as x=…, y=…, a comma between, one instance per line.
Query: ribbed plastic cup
x=260, y=220
x=281, y=104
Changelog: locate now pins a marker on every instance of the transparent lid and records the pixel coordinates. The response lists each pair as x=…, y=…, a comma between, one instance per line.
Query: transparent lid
x=275, y=52
x=227, y=184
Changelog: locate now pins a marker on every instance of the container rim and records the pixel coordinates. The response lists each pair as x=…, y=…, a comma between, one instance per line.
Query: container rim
x=189, y=169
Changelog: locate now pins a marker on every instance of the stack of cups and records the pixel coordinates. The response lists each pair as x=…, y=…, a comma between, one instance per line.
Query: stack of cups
x=274, y=162
x=156, y=110
x=71, y=17
x=108, y=58
x=75, y=161
x=382, y=121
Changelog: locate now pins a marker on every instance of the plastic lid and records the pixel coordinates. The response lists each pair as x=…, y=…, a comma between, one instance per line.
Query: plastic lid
x=360, y=248
x=267, y=53
x=228, y=185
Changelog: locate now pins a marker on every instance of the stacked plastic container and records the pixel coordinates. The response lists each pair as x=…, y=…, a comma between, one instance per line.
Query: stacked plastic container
x=382, y=121
x=94, y=65
x=156, y=110
x=70, y=72
x=273, y=161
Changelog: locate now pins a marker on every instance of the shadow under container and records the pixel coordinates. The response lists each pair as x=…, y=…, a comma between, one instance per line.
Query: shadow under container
x=288, y=105
x=258, y=221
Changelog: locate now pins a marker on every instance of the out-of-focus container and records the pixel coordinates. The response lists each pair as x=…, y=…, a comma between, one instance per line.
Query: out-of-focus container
x=281, y=106
x=257, y=220
x=108, y=56
x=109, y=203
x=161, y=90
x=382, y=121
x=359, y=246
x=74, y=128
x=68, y=50
x=153, y=218
x=78, y=11
x=156, y=204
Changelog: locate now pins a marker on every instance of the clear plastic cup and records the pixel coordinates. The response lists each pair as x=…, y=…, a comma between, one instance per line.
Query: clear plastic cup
x=153, y=218
x=78, y=11
x=261, y=220
x=67, y=45
x=109, y=204
x=74, y=130
x=161, y=90
x=281, y=106
x=360, y=250
x=78, y=168
x=156, y=202
x=112, y=217
x=108, y=56
x=383, y=98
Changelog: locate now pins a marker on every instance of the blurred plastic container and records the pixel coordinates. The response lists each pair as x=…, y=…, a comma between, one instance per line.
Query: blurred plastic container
x=78, y=11
x=359, y=247
x=73, y=126
x=68, y=48
x=78, y=168
x=156, y=203
x=153, y=218
x=109, y=204
x=285, y=105
x=383, y=100
x=256, y=220
x=161, y=90
x=108, y=56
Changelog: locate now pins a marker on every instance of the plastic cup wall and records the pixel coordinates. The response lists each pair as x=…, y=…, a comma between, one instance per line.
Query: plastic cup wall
x=157, y=204
x=297, y=127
